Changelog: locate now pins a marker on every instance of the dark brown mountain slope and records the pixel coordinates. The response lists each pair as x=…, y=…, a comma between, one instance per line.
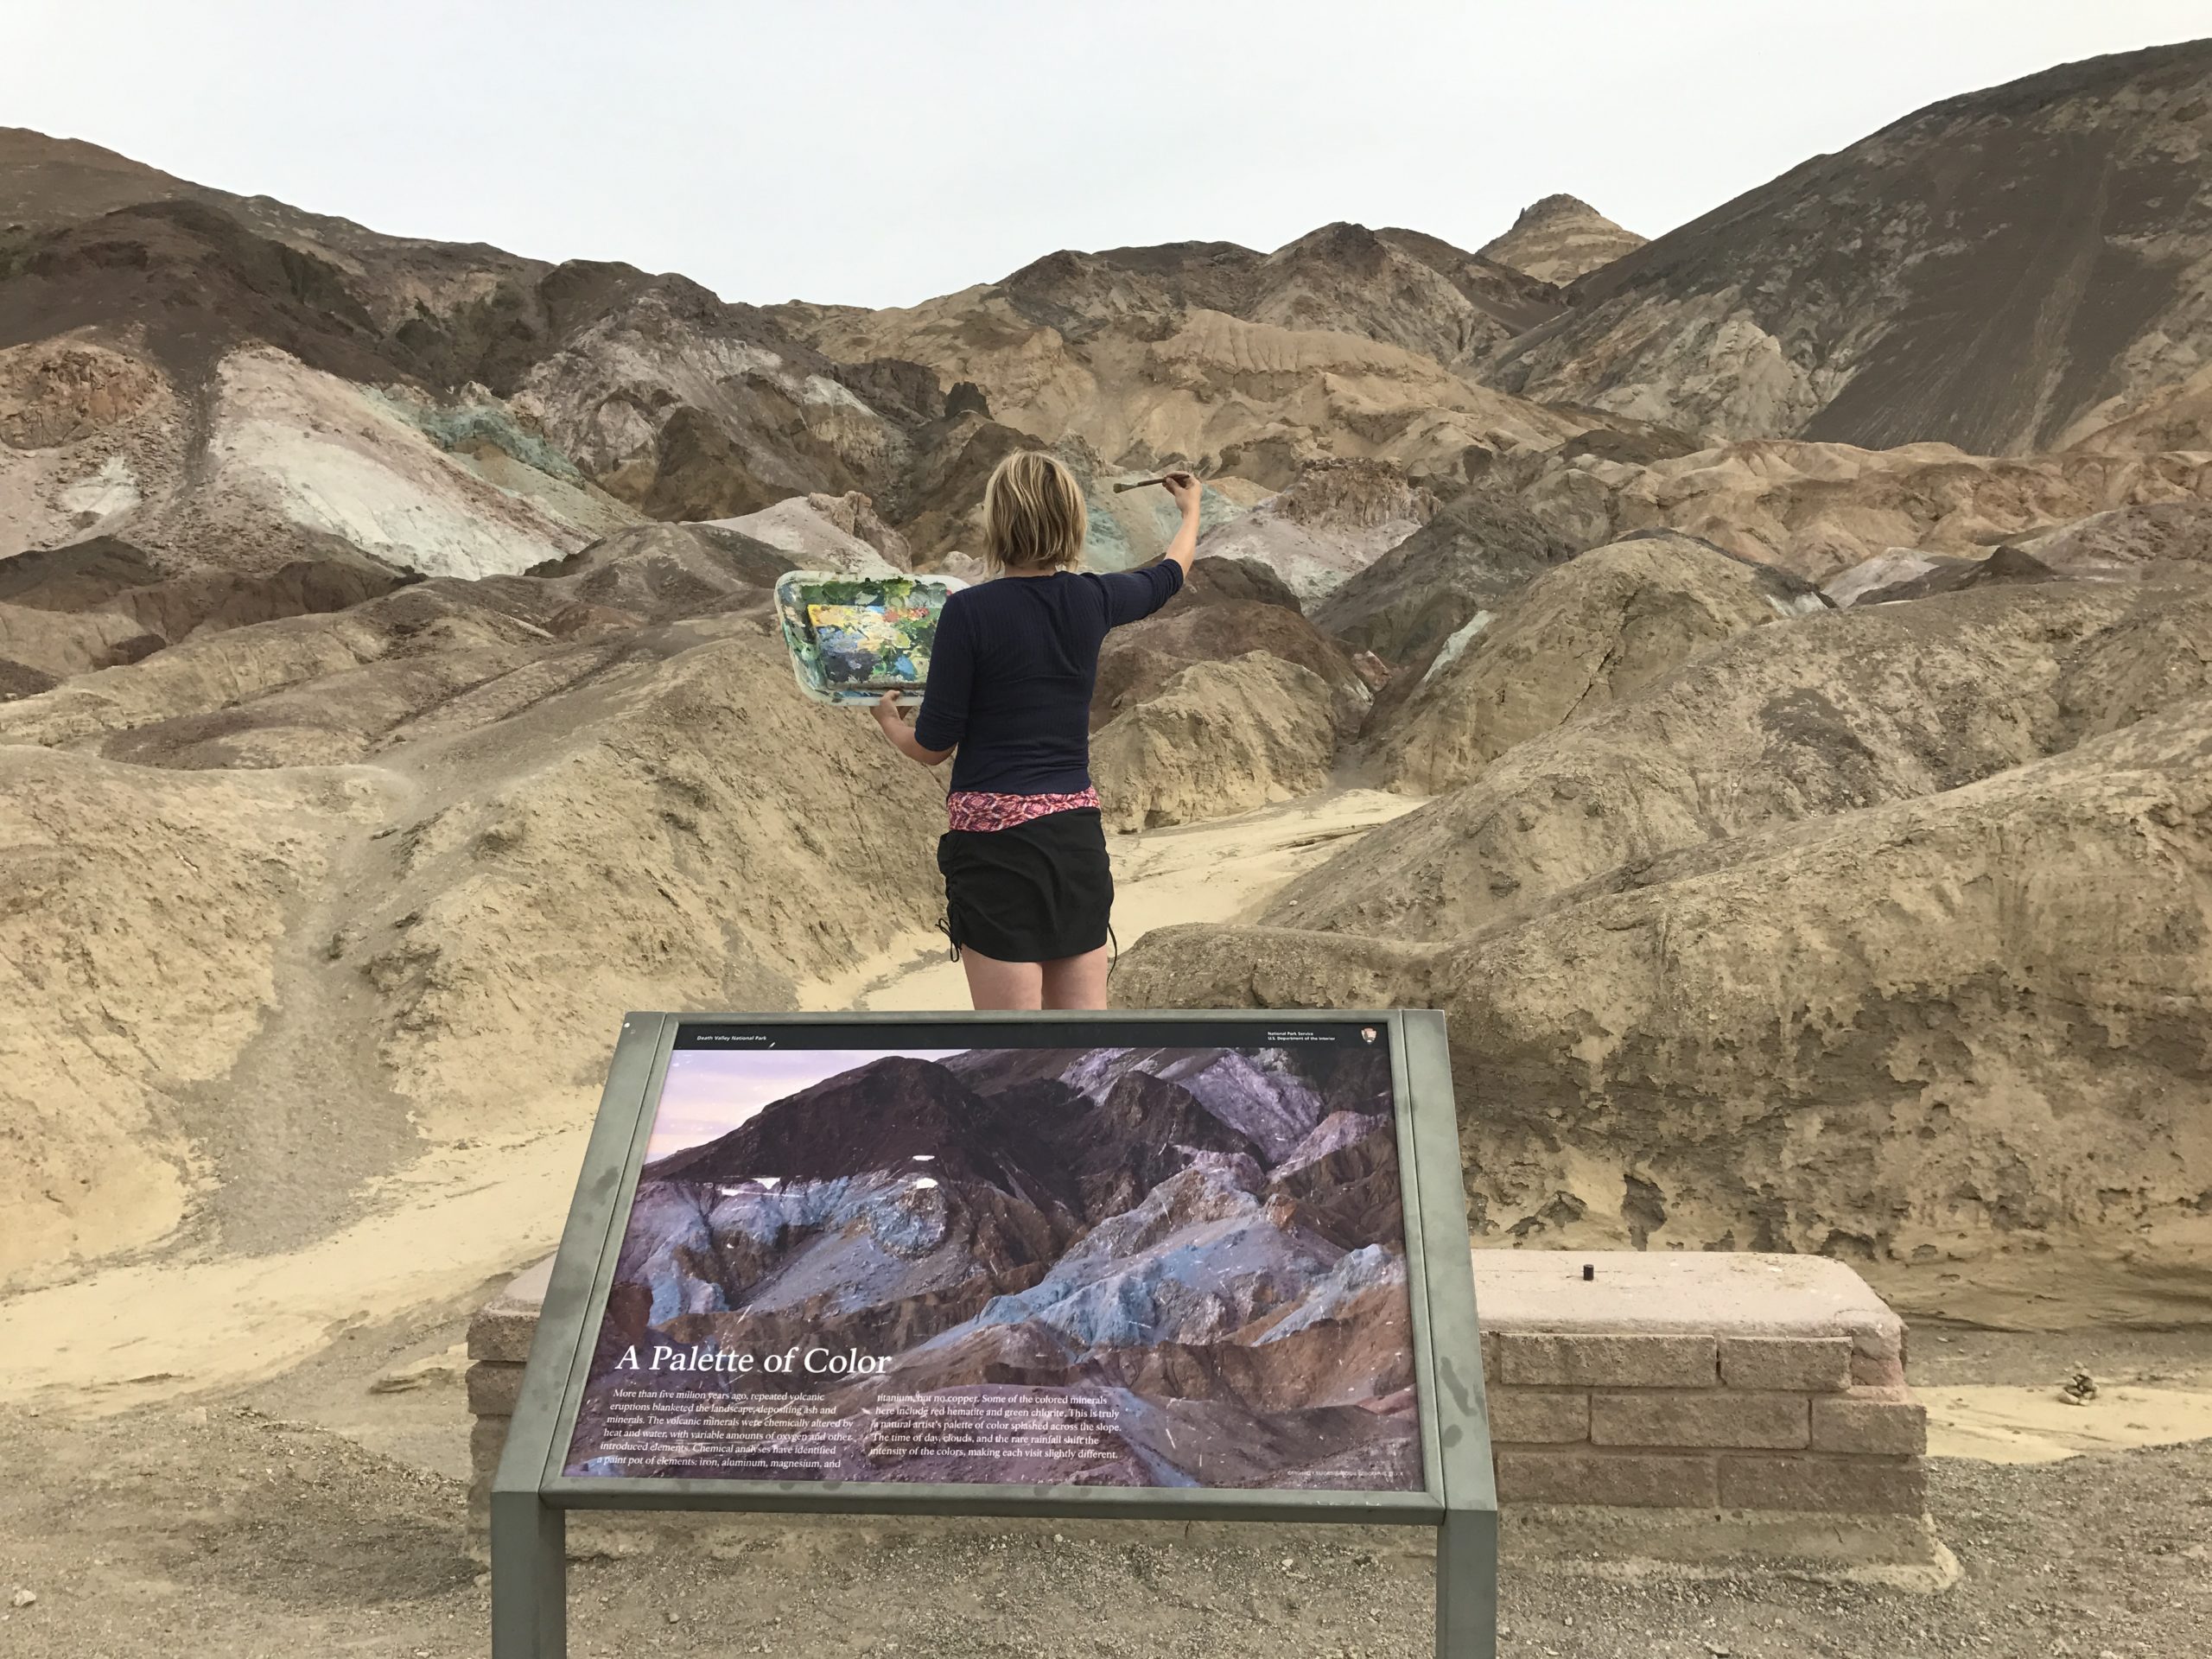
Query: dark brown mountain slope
x=47, y=182
x=1985, y=272
x=449, y=407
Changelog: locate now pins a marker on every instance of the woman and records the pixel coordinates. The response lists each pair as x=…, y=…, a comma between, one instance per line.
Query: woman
x=1027, y=887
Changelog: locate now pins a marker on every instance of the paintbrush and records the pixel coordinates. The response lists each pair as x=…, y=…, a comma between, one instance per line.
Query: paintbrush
x=1143, y=483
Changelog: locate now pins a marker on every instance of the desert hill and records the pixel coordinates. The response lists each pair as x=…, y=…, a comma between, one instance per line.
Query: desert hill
x=221, y=379
x=1775, y=720
x=1398, y=287
x=1559, y=240
x=1869, y=1035
x=1595, y=631
x=47, y=183
x=214, y=379
x=1989, y=272
x=1820, y=509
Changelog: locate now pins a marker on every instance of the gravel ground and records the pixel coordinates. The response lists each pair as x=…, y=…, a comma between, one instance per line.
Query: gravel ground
x=225, y=1530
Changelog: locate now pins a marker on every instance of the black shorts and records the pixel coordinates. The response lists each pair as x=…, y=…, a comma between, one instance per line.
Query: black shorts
x=1038, y=891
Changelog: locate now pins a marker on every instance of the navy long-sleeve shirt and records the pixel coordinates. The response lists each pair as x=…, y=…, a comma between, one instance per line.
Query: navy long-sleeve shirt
x=1013, y=668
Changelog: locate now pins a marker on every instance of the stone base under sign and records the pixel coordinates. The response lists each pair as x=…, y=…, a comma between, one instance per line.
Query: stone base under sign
x=1695, y=1407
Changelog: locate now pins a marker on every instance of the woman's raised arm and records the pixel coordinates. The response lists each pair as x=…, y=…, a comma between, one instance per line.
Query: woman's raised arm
x=1188, y=491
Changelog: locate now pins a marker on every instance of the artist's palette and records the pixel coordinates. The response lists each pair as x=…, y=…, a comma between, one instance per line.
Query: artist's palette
x=852, y=638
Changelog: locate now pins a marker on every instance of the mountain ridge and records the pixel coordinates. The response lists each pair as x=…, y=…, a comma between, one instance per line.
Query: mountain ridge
x=1766, y=316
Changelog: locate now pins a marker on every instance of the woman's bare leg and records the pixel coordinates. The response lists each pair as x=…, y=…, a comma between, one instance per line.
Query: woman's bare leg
x=1078, y=981
x=995, y=984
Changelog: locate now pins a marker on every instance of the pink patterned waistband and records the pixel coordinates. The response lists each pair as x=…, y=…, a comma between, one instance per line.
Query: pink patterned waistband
x=972, y=809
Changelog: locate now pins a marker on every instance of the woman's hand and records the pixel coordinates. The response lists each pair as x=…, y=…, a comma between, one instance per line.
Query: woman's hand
x=1188, y=492
x=893, y=720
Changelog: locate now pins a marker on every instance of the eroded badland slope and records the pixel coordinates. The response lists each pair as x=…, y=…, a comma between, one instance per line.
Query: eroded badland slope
x=297, y=900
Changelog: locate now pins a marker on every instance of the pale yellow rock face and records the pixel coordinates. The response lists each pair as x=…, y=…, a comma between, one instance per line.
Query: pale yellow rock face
x=141, y=939
x=2159, y=417
x=375, y=895
x=1810, y=717
x=1591, y=633
x=344, y=688
x=61, y=644
x=1219, y=738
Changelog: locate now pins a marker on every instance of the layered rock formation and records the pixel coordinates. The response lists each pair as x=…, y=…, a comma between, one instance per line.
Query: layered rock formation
x=1212, y=622
x=293, y=461
x=827, y=533
x=1216, y=738
x=1820, y=509
x=449, y=407
x=1477, y=552
x=1594, y=632
x=1829, y=714
x=1559, y=240
x=1343, y=344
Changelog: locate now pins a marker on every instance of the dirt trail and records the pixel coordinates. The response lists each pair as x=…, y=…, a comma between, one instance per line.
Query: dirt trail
x=124, y=1337
x=297, y=1132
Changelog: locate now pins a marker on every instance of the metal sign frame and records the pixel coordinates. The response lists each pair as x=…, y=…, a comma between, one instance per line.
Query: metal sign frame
x=532, y=1495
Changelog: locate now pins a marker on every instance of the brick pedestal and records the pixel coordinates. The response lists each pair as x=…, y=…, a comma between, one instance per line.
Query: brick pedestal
x=1703, y=1406
x=1677, y=1406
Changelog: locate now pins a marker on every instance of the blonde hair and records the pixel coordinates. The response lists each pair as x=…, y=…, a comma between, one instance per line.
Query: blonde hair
x=1033, y=515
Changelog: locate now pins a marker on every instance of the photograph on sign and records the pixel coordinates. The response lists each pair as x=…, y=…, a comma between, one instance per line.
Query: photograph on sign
x=1119, y=1265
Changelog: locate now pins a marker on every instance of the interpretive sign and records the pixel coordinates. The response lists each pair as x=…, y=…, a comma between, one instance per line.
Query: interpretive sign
x=1138, y=1264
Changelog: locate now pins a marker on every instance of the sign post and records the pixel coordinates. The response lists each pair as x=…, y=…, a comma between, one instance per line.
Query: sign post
x=1084, y=1265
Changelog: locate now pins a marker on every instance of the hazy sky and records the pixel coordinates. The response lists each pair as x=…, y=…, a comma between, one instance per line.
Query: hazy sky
x=881, y=153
